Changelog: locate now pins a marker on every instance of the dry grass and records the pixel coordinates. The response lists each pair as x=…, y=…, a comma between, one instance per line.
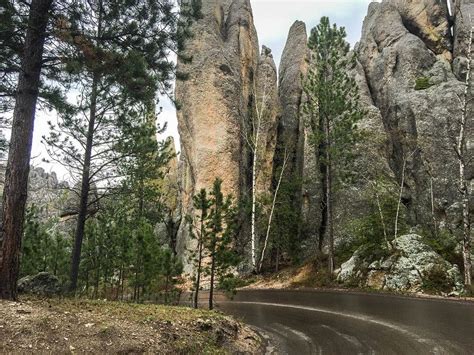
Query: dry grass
x=312, y=274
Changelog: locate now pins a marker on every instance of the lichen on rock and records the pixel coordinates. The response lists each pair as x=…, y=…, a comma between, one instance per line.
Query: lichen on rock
x=412, y=266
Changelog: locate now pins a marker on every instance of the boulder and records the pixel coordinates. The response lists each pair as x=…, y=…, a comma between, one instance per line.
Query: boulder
x=412, y=266
x=43, y=283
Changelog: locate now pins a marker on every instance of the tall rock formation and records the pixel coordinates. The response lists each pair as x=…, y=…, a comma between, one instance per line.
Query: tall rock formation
x=292, y=69
x=291, y=132
x=413, y=73
x=410, y=68
x=268, y=105
x=216, y=103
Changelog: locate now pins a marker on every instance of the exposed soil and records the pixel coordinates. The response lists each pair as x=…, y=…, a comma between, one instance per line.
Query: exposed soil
x=310, y=276
x=291, y=277
x=76, y=326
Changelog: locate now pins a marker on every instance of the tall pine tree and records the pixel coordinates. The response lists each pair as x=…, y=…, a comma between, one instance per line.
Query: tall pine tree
x=333, y=110
x=16, y=177
x=121, y=59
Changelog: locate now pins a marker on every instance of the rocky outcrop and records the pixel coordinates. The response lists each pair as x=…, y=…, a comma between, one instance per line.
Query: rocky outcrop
x=216, y=102
x=412, y=266
x=407, y=56
x=45, y=191
x=44, y=284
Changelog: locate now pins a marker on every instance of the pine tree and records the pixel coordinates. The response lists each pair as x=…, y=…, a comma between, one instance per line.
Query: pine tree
x=44, y=247
x=121, y=60
x=16, y=177
x=199, y=233
x=221, y=232
x=170, y=268
x=333, y=109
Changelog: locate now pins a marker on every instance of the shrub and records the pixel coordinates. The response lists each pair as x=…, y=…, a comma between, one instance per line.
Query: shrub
x=423, y=83
x=444, y=243
x=436, y=280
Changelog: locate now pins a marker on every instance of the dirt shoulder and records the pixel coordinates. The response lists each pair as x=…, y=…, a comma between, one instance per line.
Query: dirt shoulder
x=76, y=326
x=306, y=277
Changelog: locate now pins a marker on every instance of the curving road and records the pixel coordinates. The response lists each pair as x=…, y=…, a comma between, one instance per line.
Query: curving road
x=331, y=322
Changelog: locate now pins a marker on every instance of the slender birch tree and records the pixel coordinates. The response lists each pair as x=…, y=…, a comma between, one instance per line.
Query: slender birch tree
x=272, y=210
x=459, y=133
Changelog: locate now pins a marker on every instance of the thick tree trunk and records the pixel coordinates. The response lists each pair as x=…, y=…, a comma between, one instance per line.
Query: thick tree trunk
x=85, y=187
x=18, y=166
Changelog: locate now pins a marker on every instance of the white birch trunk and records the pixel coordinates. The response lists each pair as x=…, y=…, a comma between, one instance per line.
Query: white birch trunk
x=270, y=218
x=463, y=185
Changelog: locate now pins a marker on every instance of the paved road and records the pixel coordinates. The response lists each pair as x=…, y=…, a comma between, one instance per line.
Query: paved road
x=330, y=322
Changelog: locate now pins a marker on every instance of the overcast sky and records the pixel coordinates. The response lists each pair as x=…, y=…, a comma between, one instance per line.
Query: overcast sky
x=273, y=19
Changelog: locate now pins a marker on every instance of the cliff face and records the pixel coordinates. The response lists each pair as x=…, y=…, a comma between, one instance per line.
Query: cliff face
x=410, y=68
x=413, y=73
x=217, y=103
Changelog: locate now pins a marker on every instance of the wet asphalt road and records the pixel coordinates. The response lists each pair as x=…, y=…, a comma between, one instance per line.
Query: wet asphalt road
x=331, y=322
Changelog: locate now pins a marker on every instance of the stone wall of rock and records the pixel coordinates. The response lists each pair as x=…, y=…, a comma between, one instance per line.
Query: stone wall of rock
x=410, y=68
x=403, y=44
x=216, y=103
x=291, y=127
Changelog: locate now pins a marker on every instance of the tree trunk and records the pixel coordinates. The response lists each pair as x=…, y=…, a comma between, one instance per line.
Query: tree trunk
x=463, y=156
x=213, y=270
x=122, y=286
x=320, y=156
x=382, y=219
x=18, y=166
x=167, y=282
x=198, y=275
x=254, y=204
x=270, y=218
x=117, y=291
x=277, y=259
x=85, y=187
x=329, y=214
x=466, y=246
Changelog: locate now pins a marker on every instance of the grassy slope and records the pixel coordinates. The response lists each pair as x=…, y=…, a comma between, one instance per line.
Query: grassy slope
x=74, y=326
